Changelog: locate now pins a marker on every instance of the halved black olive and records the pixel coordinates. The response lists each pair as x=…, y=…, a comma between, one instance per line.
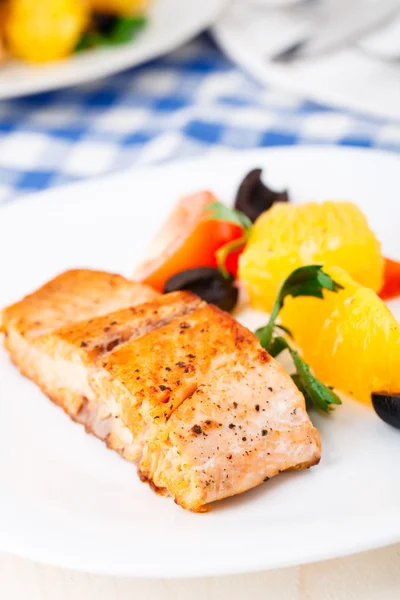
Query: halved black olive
x=387, y=407
x=254, y=197
x=208, y=283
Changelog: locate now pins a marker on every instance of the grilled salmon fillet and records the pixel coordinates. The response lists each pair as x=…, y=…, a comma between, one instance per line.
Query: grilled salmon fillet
x=173, y=384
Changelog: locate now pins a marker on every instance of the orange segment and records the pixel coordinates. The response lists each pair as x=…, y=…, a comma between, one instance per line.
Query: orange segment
x=350, y=339
x=290, y=236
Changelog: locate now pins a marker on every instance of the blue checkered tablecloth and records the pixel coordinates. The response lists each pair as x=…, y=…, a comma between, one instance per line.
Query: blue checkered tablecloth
x=179, y=105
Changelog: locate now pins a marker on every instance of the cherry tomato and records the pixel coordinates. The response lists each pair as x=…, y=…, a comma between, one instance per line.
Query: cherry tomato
x=232, y=262
x=391, y=285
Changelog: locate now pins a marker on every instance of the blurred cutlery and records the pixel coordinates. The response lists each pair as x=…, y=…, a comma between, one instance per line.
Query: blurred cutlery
x=342, y=23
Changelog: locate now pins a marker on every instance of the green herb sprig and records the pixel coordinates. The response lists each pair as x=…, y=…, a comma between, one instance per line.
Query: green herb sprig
x=219, y=212
x=123, y=30
x=305, y=281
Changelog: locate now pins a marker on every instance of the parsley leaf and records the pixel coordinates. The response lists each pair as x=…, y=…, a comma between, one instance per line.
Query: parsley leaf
x=219, y=212
x=305, y=281
x=125, y=28
x=277, y=345
x=316, y=394
x=122, y=31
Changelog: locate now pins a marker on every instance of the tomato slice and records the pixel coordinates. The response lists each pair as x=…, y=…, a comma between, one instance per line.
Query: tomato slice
x=188, y=239
x=391, y=283
x=232, y=262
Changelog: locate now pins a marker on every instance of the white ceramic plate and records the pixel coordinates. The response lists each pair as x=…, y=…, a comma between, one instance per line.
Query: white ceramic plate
x=67, y=500
x=171, y=23
x=350, y=78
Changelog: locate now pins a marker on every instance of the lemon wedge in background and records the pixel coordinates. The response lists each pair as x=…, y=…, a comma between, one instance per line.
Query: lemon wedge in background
x=45, y=30
x=350, y=338
x=290, y=236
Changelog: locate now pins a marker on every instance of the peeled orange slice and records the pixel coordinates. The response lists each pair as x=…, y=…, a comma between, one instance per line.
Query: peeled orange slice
x=290, y=236
x=350, y=338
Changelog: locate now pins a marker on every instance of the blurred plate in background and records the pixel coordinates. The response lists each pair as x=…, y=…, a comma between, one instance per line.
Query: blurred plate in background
x=171, y=23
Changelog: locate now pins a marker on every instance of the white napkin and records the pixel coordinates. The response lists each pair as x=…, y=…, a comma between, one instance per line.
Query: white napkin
x=354, y=77
x=384, y=43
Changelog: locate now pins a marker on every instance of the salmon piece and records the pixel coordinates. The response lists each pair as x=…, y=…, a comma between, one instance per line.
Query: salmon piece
x=72, y=296
x=172, y=384
x=211, y=412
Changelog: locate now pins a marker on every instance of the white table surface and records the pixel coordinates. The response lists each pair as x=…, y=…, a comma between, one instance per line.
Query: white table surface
x=368, y=576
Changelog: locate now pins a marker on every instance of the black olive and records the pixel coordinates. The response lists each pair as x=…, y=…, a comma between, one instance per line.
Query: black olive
x=254, y=197
x=207, y=283
x=104, y=22
x=387, y=407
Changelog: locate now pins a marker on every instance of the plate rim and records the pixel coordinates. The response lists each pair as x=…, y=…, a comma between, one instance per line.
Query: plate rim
x=176, y=573
x=210, y=155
